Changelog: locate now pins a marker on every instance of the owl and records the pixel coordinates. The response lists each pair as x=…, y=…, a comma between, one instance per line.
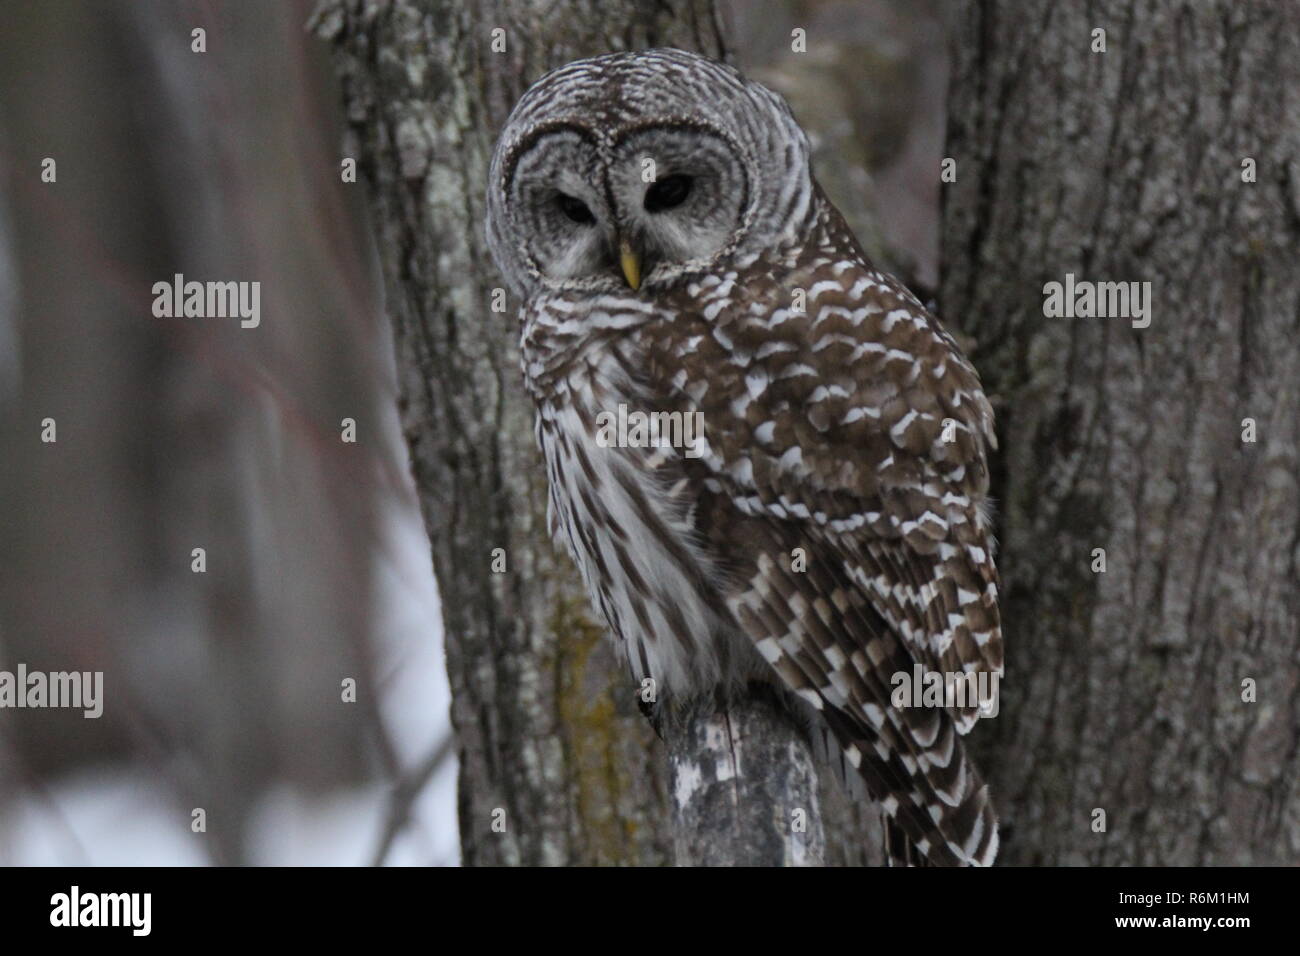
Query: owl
x=767, y=458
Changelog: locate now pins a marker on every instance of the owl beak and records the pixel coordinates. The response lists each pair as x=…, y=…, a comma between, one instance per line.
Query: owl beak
x=631, y=264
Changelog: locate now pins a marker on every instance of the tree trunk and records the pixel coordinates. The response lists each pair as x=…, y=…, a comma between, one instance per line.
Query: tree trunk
x=1127, y=689
x=557, y=765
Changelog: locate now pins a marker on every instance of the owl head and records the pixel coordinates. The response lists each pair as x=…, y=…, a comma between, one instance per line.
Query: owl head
x=634, y=170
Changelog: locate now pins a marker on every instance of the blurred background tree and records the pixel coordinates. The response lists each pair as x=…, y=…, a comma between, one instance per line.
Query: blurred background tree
x=222, y=688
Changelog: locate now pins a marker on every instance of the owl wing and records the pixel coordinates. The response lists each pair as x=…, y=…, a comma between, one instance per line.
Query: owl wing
x=858, y=421
x=844, y=425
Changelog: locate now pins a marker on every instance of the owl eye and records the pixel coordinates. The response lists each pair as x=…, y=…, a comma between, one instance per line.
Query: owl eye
x=574, y=208
x=667, y=193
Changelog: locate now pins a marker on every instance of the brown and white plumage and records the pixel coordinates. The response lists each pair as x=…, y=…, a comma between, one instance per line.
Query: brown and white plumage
x=824, y=389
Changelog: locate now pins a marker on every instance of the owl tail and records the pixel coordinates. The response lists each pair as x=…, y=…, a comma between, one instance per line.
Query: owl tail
x=899, y=850
x=936, y=809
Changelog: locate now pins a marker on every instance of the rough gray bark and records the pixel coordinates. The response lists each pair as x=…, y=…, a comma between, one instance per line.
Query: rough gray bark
x=744, y=789
x=1124, y=688
x=548, y=731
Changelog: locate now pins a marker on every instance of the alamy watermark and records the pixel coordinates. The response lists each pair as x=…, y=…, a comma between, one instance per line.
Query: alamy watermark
x=83, y=690
x=208, y=300
x=1083, y=299
x=132, y=911
x=926, y=688
x=637, y=429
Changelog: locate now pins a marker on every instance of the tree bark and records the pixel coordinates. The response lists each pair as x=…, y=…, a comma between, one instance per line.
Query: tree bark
x=1124, y=688
x=557, y=765
x=744, y=787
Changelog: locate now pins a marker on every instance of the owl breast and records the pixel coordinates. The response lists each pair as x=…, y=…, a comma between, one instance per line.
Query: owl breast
x=622, y=508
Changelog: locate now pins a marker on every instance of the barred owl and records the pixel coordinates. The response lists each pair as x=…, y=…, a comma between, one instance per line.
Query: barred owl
x=825, y=529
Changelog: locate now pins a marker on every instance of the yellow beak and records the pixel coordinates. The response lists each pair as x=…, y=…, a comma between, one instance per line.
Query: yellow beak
x=631, y=264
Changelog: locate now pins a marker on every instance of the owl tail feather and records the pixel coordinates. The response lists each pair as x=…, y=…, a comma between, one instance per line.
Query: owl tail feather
x=899, y=850
x=921, y=828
